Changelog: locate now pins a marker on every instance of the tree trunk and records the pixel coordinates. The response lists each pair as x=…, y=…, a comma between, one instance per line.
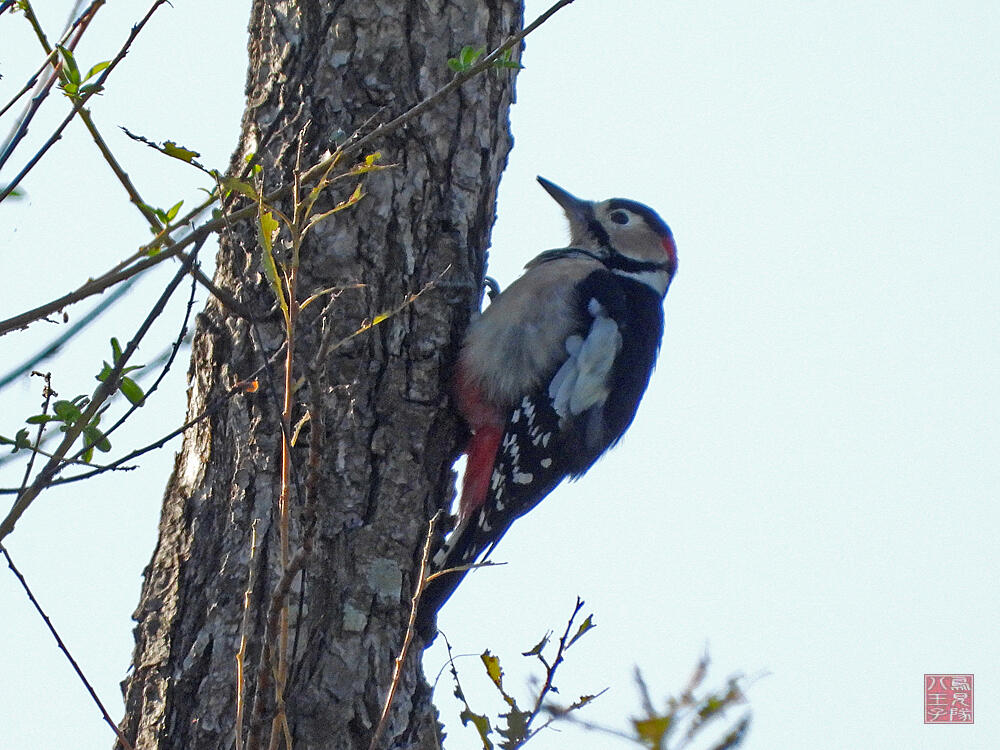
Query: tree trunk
x=388, y=436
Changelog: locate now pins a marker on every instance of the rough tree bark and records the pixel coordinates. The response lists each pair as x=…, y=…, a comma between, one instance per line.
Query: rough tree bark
x=325, y=67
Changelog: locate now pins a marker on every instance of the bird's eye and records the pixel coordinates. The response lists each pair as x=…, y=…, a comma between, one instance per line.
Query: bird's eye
x=619, y=217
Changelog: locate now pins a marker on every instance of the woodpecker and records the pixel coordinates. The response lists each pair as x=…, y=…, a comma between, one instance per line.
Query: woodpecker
x=549, y=377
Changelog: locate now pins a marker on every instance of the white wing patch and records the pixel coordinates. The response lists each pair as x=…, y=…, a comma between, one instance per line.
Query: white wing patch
x=582, y=380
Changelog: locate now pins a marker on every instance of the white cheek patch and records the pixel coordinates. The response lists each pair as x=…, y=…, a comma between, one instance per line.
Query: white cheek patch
x=581, y=381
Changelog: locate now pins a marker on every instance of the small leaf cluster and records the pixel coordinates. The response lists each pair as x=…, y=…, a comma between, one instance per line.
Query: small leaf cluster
x=164, y=215
x=506, y=61
x=129, y=388
x=20, y=441
x=270, y=221
x=468, y=56
x=515, y=727
x=72, y=81
x=67, y=413
x=686, y=716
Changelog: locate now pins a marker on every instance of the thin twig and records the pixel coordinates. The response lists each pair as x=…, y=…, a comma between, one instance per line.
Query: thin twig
x=99, y=284
x=123, y=178
x=74, y=30
x=411, y=627
x=84, y=17
x=486, y=63
x=47, y=394
x=102, y=146
x=94, y=286
x=239, y=387
x=103, y=392
x=244, y=629
x=4, y=192
x=62, y=647
x=550, y=672
x=21, y=129
x=54, y=345
x=174, y=349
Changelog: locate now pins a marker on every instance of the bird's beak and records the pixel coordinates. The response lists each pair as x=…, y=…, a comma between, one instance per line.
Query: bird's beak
x=577, y=210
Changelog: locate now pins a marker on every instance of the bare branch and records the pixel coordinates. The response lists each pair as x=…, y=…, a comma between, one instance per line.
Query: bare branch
x=166, y=367
x=103, y=392
x=240, y=387
x=47, y=394
x=4, y=192
x=99, y=284
x=62, y=647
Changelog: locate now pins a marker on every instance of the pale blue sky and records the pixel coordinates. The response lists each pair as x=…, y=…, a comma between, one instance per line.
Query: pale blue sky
x=810, y=486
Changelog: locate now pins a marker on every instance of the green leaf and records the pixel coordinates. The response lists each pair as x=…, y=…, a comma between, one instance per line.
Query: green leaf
x=131, y=390
x=66, y=411
x=105, y=372
x=470, y=54
x=370, y=164
x=96, y=69
x=39, y=419
x=172, y=211
x=116, y=349
x=22, y=439
x=586, y=625
x=651, y=731
x=466, y=58
x=538, y=646
x=482, y=725
x=517, y=727
x=179, y=152
x=91, y=88
x=507, y=62
x=96, y=439
x=712, y=705
x=267, y=226
x=87, y=455
x=243, y=188
x=70, y=68
x=492, y=664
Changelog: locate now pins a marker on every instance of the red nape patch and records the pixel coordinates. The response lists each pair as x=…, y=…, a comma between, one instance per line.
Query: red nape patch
x=671, y=248
x=482, y=450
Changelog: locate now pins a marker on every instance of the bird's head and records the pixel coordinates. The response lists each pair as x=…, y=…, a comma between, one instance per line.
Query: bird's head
x=628, y=236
